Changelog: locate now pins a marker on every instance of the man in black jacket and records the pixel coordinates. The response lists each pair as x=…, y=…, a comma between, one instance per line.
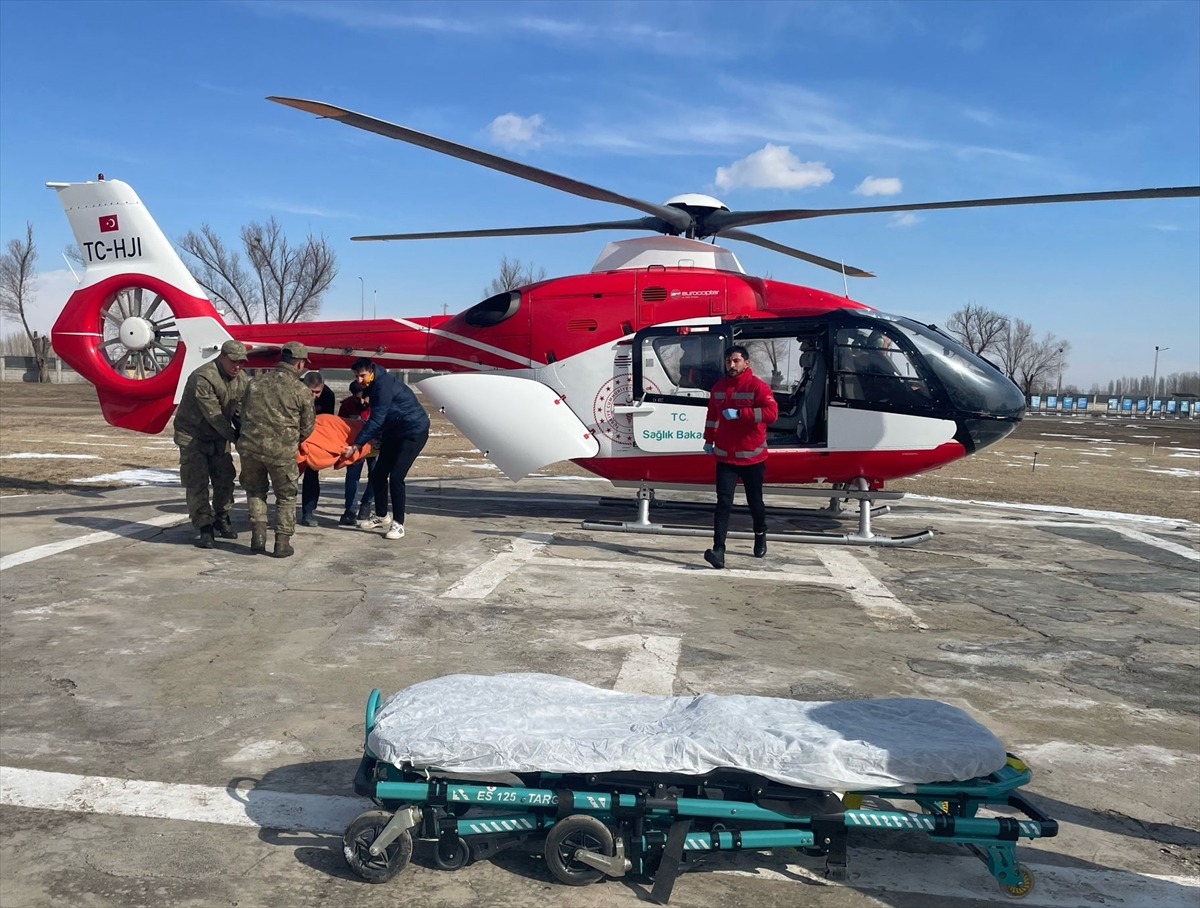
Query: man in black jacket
x=400, y=425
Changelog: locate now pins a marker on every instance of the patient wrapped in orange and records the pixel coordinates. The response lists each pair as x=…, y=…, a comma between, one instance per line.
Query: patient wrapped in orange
x=330, y=437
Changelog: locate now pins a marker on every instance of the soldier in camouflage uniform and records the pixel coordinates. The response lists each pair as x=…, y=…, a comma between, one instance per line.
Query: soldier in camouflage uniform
x=277, y=415
x=205, y=426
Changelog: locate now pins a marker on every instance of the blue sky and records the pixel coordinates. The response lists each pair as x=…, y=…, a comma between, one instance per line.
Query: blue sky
x=762, y=104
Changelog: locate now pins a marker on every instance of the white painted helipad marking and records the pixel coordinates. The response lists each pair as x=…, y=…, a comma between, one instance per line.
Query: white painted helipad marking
x=867, y=591
x=650, y=666
x=845, y=572
x=1128, y=532
x=128, y=530
x=966, y=879
x=489, y=575
x=637, y=567
x=870, y=869
x=172, y=801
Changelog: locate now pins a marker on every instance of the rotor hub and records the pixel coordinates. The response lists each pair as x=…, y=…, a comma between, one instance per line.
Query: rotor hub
x=137, y=333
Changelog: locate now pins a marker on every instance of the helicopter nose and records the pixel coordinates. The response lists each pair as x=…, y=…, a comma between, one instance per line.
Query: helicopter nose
x=984, y=431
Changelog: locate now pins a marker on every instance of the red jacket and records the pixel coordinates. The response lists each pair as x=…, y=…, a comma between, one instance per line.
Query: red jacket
x=742, y=440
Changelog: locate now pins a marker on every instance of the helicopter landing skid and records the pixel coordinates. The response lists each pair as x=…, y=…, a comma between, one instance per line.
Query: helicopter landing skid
x=864, y=535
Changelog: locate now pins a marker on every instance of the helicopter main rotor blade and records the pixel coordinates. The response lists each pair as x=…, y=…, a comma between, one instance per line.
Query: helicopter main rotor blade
x=719, y=222
x=653, y=224
x=839, y=267
x=679, y=220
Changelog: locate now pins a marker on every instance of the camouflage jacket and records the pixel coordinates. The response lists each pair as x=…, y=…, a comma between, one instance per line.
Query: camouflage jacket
x=276, y=416
x=209, y=409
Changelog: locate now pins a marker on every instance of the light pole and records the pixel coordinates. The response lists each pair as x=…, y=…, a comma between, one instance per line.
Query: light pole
x=1059, y=355
x=375, y=305
x=1154, y=381
x=362, y=300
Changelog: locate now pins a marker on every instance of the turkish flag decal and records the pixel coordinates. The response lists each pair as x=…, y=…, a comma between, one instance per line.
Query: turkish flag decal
x=108, y=223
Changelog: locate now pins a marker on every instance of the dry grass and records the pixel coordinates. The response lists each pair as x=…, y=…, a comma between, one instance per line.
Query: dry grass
x=1129, y=465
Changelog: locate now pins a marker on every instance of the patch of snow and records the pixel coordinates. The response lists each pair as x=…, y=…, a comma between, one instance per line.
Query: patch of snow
x=29, y=455
x=138, y=477
x=1175, y=471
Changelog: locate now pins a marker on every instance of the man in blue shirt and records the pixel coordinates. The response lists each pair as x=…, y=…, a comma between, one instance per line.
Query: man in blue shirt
x=399, y=427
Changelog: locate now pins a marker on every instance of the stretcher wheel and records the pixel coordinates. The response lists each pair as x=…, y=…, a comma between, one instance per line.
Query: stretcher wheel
x=356, y=844
x=451, y=852
x=1021, y=889
x=569, y=835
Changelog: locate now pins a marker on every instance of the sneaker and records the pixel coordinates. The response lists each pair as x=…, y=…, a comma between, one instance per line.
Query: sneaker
x=309, y=520
x=396, y=532
x=373, y=522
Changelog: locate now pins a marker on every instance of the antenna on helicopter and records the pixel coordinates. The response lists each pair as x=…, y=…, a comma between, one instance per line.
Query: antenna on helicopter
x=845, y=283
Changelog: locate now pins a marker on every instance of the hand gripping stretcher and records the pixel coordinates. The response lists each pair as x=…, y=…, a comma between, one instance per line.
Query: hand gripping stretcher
x=606, y=784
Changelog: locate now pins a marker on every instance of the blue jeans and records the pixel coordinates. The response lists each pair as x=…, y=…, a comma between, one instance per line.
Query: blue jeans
x=353, y=472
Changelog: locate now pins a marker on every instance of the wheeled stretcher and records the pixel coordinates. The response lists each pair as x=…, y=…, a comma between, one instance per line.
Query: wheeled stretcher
x=592, y=814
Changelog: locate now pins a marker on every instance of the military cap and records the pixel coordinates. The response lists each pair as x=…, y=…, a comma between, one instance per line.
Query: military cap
x=295, y=350
x=235, y=350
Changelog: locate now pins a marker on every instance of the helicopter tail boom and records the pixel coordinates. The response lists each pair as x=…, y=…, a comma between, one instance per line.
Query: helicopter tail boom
x=138, y=323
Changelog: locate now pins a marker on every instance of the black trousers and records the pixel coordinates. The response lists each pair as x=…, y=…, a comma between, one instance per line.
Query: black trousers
x=310, y=491
x=396, y=457
x=751, y=476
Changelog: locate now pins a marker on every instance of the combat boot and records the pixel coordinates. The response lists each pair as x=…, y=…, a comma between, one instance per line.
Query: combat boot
x=206, y=538
x=224, y=528
x=283, y=546
x=258, y=537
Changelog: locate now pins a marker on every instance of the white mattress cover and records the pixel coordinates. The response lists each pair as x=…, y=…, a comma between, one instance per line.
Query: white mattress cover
x=544, y=723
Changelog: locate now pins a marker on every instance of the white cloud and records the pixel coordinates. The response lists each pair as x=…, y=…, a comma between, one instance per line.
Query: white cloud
x=513, y=131
x=904, y=219
x=773, y=167
x=879, y=186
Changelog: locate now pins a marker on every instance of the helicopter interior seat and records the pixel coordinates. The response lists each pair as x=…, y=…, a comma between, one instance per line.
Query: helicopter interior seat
x=809, y=427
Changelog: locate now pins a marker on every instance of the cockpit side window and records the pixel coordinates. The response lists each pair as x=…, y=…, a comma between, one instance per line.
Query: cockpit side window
x=974, y=386
x=874, y=369
x=493, y=310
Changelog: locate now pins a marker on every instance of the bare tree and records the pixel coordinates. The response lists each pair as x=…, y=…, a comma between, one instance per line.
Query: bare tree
x=282, y=283
x=978, y=327
x=774, y=350
x=512, y=275
x=1014, y=350
x=18, y=280
x=15, y=343
x=1028, y=361
x=1042, y=362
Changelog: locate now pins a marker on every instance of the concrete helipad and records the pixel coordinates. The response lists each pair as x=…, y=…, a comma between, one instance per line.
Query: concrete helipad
x=181, y=726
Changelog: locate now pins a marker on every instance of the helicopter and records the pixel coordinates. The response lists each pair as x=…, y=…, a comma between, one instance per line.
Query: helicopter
x=610, y=369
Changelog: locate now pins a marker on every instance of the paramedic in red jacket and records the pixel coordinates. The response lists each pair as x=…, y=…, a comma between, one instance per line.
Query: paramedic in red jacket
x=739, y=410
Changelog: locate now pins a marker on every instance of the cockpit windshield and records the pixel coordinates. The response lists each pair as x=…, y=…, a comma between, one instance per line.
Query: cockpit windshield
x=974, y=385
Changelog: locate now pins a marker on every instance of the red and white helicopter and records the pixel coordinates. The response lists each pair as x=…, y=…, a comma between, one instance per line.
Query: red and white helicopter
x=609, y=369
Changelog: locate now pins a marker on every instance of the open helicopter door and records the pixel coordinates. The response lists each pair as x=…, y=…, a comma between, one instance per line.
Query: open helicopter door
x=674, y=368
x=791, y=356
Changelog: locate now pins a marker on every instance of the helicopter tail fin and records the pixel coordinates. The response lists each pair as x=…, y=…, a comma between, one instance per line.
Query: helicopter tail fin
x=138, y=324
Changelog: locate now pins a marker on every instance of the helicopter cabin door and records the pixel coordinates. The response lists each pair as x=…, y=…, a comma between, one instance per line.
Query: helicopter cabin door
x=674, y=368
x=792, y=356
